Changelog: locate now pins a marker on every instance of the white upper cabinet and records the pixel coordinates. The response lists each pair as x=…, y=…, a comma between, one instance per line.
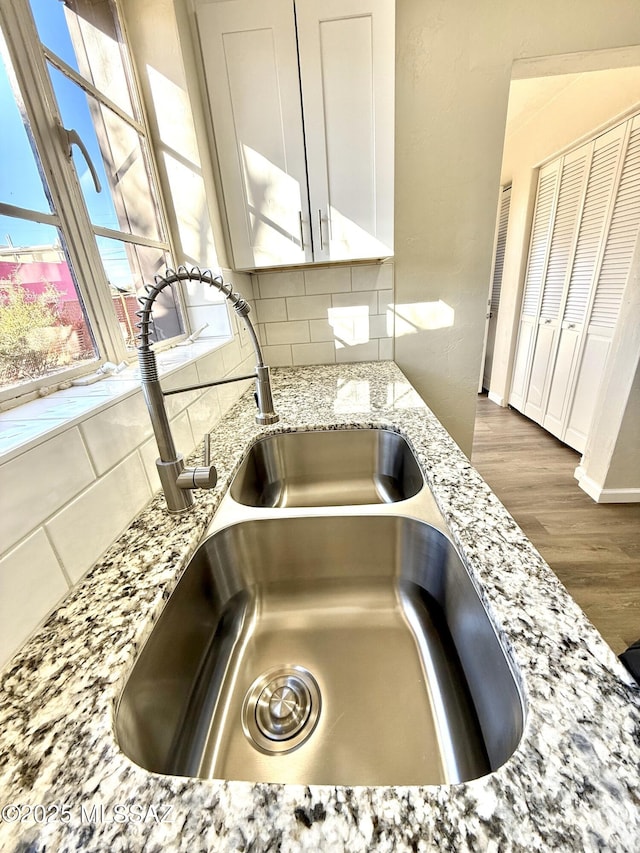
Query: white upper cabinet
x=251, y=65
x=301, y=98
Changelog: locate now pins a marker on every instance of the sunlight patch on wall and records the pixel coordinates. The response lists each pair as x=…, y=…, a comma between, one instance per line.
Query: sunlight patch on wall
x=350, y=325
x=413, y=317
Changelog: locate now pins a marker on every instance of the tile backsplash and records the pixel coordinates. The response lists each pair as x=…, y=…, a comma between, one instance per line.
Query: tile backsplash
x=320, y=315
x=76, y=468
x=72, y=490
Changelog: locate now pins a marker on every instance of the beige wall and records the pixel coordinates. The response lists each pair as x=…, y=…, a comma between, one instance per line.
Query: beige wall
x=453, y=70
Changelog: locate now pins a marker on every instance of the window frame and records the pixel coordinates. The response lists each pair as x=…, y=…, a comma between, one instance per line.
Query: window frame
x=29, y=57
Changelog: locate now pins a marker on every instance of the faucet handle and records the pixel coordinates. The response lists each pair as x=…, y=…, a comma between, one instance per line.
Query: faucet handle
x=202, y=476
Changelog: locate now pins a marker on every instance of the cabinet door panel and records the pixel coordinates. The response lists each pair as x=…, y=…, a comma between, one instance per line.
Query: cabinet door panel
x=346, y=52
x=251, y=67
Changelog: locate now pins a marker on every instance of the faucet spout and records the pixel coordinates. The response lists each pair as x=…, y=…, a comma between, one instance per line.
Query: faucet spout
x=178, y=481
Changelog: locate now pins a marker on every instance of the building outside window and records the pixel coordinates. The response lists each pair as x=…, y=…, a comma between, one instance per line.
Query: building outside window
x=82, y=227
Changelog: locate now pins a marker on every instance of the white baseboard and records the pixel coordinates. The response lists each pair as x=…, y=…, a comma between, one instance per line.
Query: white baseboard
x=496, y=398
x=606, y=496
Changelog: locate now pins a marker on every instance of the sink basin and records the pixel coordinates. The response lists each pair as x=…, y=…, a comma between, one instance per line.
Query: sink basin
x=327, y=468
x=323, y=650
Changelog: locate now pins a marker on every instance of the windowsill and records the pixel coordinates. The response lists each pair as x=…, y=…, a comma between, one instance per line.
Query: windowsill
x=32, y=423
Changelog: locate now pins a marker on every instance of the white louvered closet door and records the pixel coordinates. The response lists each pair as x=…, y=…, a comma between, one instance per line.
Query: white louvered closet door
x=607, y=296
x=536, y=269
x=496, y=280
x=561, y=248
x=601, y=185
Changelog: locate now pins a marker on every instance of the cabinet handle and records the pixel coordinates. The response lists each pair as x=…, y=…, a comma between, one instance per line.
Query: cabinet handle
x=571, y=326
x=320, y=227
x=301, y=229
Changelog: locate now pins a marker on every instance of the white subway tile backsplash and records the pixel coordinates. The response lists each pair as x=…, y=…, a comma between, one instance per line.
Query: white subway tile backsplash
x=180, y=379
x=32, y=583
x=184, y=440
x=321, y=330
x=85, y=528
x=320, y=353
x=275, y=284
x=358, y=352
x=215, y=317
x=308, y=307
x=39, y=481
x=278, y=356
x=204, y=413
x=292, y=332
x=115, y=432
x=372, y=277
x=271, y=310
x=385, y=301
x=231, y=356
x=385, y=349
x=379, y=326
x=230, y=394
x=364, y=298
x=327, y=280
x=211, y=367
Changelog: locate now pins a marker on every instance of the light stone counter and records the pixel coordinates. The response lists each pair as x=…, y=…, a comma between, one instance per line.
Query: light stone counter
x=573, y=784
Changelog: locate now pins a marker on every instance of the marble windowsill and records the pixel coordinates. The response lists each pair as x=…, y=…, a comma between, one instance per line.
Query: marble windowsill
x=28, y=425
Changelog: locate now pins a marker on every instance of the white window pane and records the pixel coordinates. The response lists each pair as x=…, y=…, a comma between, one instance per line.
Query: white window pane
x=43, y=325
x=126, y=202
x=20, y=181
x=129, y=267
x=83, y=34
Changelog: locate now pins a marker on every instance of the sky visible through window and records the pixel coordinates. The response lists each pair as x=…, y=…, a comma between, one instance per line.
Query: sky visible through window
x=20, y=181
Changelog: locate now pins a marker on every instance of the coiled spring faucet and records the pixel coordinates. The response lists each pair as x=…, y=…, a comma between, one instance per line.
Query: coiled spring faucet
x=177, y=480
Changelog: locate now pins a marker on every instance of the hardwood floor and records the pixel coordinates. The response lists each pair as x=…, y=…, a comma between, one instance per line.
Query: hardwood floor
x=593, y=548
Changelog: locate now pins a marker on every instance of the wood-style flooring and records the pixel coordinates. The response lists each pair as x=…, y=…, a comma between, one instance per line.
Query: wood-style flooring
x=593, y=548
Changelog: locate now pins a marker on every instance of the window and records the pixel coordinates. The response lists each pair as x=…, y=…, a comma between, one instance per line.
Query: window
x=81, y=221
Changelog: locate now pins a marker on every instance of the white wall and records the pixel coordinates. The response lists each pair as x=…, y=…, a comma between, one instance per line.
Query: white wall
x=453, y=70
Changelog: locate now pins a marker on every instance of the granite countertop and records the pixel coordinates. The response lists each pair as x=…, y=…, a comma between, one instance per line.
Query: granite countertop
x=573, y=784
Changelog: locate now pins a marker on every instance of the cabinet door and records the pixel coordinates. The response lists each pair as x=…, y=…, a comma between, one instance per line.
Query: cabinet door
x=347, y=50
x=251, y=68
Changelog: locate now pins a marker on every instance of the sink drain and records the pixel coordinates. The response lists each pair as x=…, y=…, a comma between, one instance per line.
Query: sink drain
x=281, y=709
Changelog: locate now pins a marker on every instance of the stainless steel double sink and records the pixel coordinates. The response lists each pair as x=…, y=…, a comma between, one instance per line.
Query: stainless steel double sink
x=326, y=631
